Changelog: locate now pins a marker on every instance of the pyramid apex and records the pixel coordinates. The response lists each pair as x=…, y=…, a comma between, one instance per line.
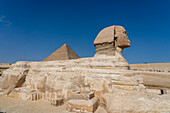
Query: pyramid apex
x=65, y=45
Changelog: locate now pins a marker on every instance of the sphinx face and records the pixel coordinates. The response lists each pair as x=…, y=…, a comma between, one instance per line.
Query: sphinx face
x=121, y=38
x=111, y=40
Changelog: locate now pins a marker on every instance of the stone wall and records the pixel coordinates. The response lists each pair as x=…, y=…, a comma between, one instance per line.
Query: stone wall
x=155, y=75
x=151, y=67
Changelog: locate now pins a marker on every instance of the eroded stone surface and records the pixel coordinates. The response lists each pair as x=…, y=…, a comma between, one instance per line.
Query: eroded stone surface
x=26, y=94
x=4, y=66
x=81, y=95
x=111, y=41
x=87, y=106
x=107, y=75
x=57, y=101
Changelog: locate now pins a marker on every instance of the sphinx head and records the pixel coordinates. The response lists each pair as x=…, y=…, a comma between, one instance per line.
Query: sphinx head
x=111, y=40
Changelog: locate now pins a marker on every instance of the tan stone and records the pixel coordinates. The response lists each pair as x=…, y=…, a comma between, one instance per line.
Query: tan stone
x=25, y=94
x=57, y=101
x=4, y=66
x=101, y=110
x=107, y=75
x=18, y=83
x=111, y=40
x=82, y=96
x=88, y=106
x=63, y=53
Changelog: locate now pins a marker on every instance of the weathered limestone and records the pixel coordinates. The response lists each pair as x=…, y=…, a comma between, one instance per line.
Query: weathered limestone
x=4, y=66
x=18, y=83
x=26, y=94
x=57, y=101
x=63, y=53
x=87, y=106
x=111, y=41
x=101, y=110
x=98, y=74
x=84, y=83
x=82, y=96
x=82, y=101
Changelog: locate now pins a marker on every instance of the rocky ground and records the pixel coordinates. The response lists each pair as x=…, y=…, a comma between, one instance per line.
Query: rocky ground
x=138, y=104
x=116, y=103
x=14, y=105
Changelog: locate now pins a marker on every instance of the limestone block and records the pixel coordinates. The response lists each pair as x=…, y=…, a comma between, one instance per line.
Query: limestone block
x=6, y=80
x=128, y=88
x=35, y=96
x=26, y=94
x=57, y=101
x=88, y=106
x=82, y=96
x=128, y=81
x=100, y=110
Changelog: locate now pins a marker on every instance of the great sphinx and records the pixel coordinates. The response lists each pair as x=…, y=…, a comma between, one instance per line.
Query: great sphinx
x=106, y=72
x=111, y=41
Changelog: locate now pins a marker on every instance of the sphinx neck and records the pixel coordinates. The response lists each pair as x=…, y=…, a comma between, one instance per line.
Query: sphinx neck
x=119, y=50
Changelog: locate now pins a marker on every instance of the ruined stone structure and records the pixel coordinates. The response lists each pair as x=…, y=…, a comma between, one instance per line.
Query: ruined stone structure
x=82, y=84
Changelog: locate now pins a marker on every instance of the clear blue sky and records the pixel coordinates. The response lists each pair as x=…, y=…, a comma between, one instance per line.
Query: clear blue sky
x=30, y=30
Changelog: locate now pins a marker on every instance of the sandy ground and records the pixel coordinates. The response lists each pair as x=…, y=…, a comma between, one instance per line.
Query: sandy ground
x=153, y=103
x=14, y=105
x=153, y=79
x=159, y=66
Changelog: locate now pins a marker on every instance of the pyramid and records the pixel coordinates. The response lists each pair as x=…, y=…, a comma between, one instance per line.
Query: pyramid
x=63, y=53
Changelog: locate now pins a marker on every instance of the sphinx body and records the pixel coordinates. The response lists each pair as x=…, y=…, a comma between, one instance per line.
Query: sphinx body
x=106, y=72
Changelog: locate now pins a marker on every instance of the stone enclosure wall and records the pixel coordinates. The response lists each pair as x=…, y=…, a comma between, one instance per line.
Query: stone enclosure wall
x=155, y=75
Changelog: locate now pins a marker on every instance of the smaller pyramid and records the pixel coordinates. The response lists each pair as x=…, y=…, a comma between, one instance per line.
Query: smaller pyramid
x=63, y=53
